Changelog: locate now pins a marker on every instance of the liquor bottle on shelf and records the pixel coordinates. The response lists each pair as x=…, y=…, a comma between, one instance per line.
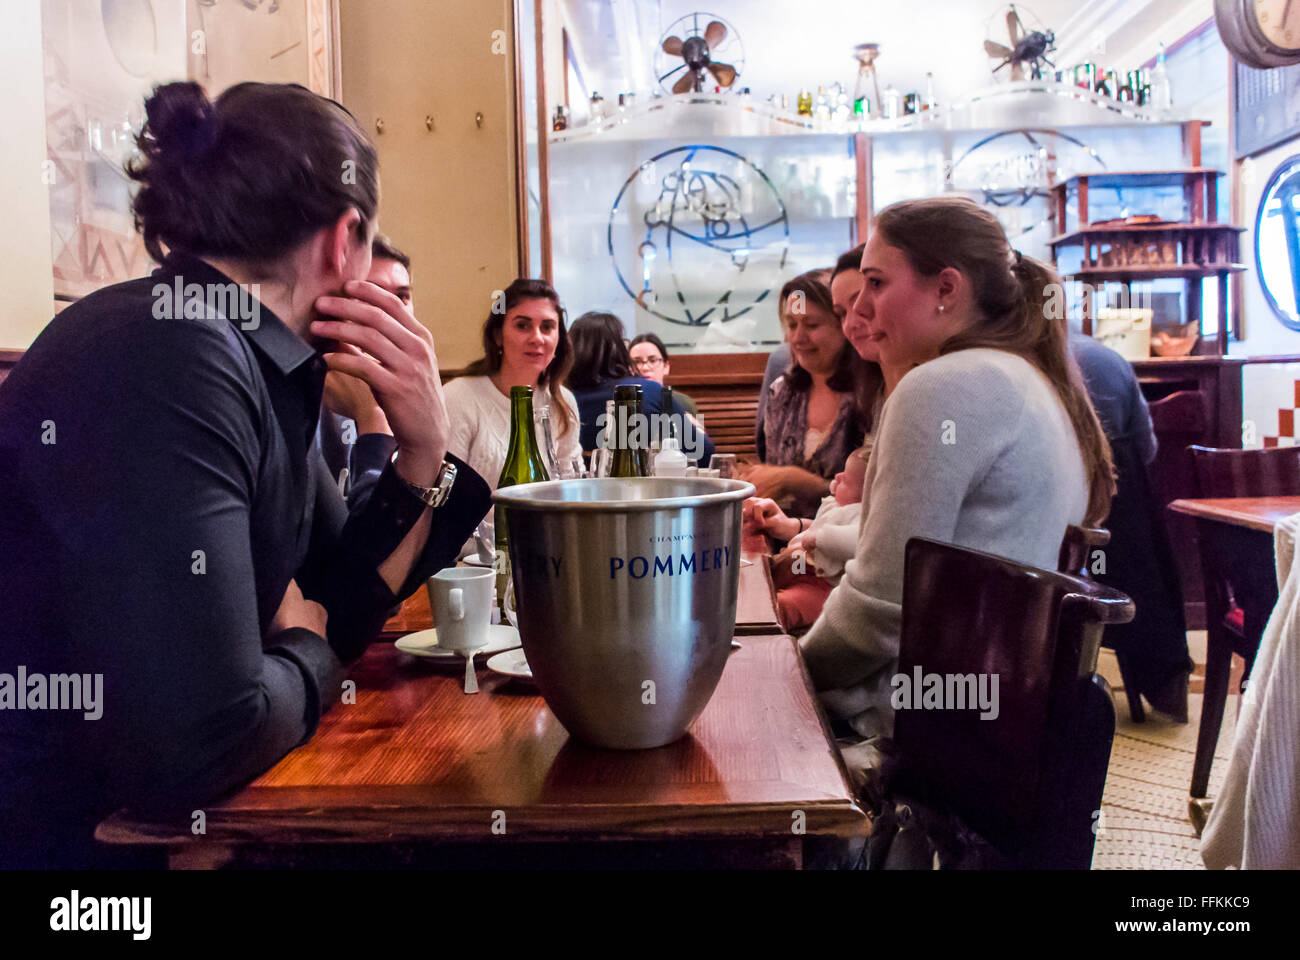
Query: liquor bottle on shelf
x=892, y=105
x=840, y=110
x=1132, y=87
x=822, y=112
x=523, y=465
x=627, y=460
x=930, y=102
x=1162, y=94
x=805, y=104
x=596, y=107
x=561, y=121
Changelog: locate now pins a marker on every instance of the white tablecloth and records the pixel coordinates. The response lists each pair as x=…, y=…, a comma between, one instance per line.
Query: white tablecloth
x=1255, y=823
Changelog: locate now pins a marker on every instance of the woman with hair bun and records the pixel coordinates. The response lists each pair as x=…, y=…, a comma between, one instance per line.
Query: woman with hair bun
x=988, y=440
x=171, y=528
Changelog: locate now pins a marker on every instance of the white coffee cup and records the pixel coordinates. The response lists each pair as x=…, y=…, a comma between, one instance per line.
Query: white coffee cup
x=462, y=599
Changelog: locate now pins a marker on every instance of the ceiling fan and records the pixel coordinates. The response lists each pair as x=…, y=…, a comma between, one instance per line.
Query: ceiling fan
x=701, y=51
x=1028, y=48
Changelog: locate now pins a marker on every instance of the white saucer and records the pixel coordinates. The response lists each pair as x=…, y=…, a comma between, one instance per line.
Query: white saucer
x=424, y=643
x=476, y=560
x=512, y=664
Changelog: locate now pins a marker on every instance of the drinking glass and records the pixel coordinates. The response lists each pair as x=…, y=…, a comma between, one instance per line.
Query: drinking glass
x=725, y=464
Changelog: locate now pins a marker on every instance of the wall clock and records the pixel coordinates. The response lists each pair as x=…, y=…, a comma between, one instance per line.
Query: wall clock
x=1261, y=33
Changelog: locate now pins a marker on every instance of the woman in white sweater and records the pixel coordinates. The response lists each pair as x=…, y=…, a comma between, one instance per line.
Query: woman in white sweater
x=988, y=441
x=524, y=344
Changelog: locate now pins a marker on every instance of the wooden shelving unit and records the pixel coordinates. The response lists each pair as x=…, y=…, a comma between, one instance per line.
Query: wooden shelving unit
x=1127, y=253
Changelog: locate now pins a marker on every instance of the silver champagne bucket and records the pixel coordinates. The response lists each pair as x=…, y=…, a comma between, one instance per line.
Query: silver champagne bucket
x=625, y=591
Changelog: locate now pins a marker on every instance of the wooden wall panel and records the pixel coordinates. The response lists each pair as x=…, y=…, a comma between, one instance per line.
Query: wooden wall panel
x=448, y=193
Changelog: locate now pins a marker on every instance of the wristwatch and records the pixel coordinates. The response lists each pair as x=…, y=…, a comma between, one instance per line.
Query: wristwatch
x=436, y=495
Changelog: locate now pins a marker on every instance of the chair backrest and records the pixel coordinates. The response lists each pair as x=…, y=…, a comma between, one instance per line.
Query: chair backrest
x=1274, y=472
x=1029, y=779
x=1077, y=546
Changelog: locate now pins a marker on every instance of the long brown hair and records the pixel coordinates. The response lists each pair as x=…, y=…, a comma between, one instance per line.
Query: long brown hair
x=1010, y=292
x=818, y=294
x=599, y=353
x=552, y=378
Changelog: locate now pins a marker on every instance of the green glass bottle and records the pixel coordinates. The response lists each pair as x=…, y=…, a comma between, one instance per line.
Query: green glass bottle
x=643, y=454
x=523, y=465
x=627, y=461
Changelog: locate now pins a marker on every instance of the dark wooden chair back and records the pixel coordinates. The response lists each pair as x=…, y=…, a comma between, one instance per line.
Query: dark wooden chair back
x=1031, y=779
x=1075, y=558
x=1077, y=546
x=1221, y=472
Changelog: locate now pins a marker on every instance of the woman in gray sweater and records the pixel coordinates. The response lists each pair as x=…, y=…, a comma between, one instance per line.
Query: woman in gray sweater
x=988, y=441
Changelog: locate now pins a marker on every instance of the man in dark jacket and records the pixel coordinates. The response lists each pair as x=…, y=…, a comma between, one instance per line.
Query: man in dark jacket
x=1152, y=648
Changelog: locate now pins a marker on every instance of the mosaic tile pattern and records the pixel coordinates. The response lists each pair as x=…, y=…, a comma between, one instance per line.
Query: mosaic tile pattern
x=1144, y=807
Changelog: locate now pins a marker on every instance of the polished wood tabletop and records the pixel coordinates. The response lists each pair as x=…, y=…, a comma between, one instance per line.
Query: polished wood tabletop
x=1253, y=513
x=415, y=760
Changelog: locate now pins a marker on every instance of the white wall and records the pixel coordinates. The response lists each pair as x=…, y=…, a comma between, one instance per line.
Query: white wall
x=26, y=273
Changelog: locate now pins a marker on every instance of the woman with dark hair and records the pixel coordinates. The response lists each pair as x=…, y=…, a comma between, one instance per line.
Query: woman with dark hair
x=988, y=441
x=180, y=538
x=812, y=421
x=600, y=363
x=650, y=360
x=524, y=345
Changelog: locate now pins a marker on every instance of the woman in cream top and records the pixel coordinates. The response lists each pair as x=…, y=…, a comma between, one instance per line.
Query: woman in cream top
x=524, y=344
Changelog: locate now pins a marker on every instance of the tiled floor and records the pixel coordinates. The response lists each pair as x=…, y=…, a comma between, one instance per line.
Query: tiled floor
x=1143, y=823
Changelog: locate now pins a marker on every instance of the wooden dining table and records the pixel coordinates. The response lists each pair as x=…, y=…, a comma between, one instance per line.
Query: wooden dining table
x=417, y=773
x=1235, y=540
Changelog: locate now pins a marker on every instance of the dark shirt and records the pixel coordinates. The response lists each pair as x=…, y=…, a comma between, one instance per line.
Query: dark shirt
x=1116, y=395
x=160, y=489
x=591, y=405
x=1139, y=560
x=355, y=461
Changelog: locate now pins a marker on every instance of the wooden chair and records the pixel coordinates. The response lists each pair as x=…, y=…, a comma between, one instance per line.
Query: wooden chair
x=1234, y=618
x=1076, y=552
x=1029, y=781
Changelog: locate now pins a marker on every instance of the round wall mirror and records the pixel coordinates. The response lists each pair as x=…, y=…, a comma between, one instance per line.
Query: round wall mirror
x=132, y=34
x=1277, y=242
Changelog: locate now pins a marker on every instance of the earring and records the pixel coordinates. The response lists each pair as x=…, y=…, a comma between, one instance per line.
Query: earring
x=941, y=308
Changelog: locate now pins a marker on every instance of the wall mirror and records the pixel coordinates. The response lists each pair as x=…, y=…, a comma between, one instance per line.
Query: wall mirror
x=1277, y=242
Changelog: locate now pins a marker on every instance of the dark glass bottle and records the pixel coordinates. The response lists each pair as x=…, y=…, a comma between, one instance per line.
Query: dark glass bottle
x=628, y=461
x=643, y=455
x=523, y=465
x=670, y=408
